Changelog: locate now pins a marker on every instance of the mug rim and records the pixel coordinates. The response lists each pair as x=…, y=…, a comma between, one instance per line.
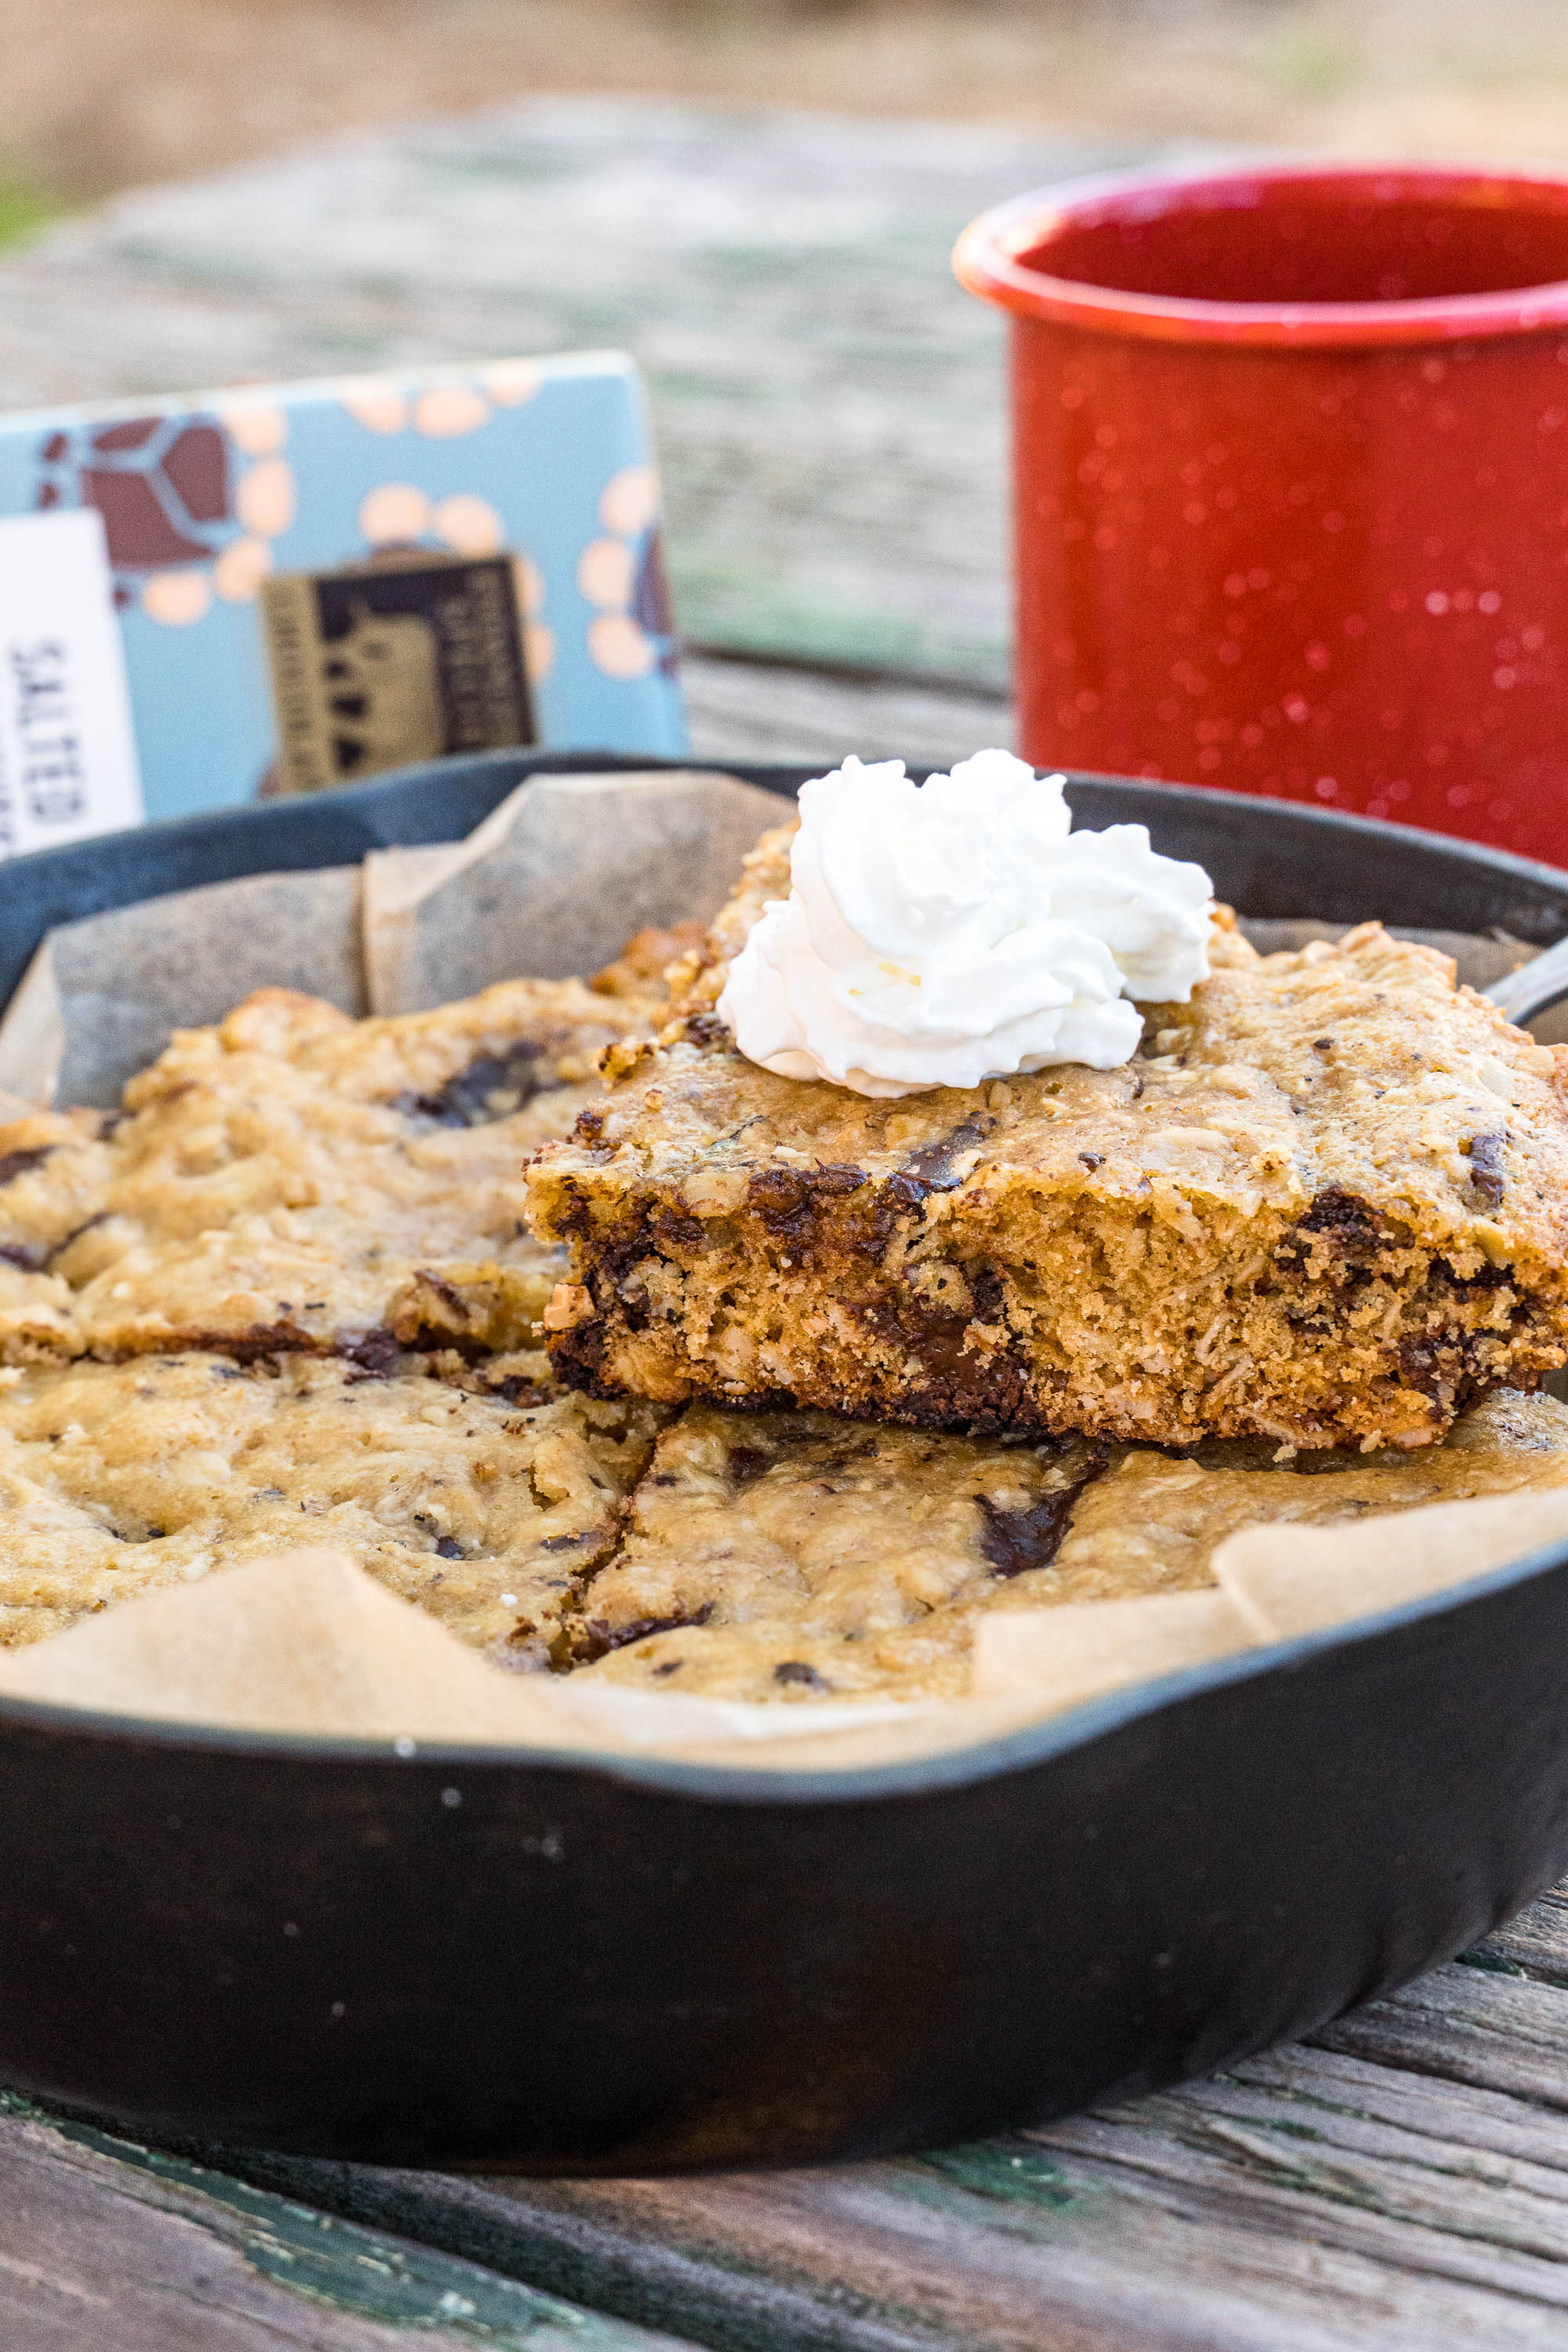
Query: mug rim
x=986, y=263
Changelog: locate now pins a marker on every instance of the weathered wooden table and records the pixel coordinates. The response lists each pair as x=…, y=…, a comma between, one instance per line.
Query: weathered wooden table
x=829, y=409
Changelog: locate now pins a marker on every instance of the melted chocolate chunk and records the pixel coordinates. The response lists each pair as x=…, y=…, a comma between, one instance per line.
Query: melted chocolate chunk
x=448, y=1548
x=583, y=1643
x=375, y=1354
x=929, y=1169
x=1441, y=1275
x=17, y=1163
x=985, y=1289
x=932, y=1168
x=1351, y=1224
x=1439, y=1362
x=787, y=1199
x=796, y=1670
x=492, y=1086
x=677, y=1226
x=1486, y=1167
x=31, y=1257
x=1028, y=1537
x=745, y=1463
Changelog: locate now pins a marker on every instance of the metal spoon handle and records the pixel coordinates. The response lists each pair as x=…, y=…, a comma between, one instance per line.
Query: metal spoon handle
x=1534, y=986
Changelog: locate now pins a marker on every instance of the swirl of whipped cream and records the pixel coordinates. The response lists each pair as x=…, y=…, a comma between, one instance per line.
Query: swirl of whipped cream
x=946, y=933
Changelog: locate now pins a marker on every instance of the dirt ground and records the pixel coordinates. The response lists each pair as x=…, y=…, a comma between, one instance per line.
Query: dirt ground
x=100, y=94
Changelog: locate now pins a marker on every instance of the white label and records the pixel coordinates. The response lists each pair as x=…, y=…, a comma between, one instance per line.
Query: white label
x=68, y=748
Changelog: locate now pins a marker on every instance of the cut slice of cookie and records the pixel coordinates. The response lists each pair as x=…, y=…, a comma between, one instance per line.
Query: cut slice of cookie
x=116, y=1479
x=779, y=1556
x=782, y=1555
x=293, y=1178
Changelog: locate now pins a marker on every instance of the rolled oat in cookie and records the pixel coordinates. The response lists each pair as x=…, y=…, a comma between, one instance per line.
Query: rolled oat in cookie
x=116, y=1479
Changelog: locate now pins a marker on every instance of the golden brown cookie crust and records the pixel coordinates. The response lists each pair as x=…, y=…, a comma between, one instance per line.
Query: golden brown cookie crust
x=118, y=1479
x=1327, y=1203
x=793, y=1556
x=293, y=1178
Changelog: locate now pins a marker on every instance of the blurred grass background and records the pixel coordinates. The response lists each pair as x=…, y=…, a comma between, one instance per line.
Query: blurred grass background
x=97, y=95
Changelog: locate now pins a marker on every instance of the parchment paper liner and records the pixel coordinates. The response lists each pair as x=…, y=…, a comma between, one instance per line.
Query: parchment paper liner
x=307, y=1642
x=553, y=882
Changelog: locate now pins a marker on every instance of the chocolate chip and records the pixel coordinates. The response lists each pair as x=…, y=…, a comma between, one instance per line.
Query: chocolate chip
x=17, y=1163
x=1027, y=1536
x=375, y=1354
x=492, y=1086
x=787, y=1199
x=1486, y=1167
x=930, y=1166
x=31, y=1257
x=707, y=1029
x=585, y=1642
x=796, y=1670
x=1322, y=1044
x=1351, y=1224
x=1092, y=1160
x=745, y=1463
x=448, y=1548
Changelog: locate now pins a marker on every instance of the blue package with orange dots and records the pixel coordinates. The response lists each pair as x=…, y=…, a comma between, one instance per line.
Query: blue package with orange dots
x=317, y=583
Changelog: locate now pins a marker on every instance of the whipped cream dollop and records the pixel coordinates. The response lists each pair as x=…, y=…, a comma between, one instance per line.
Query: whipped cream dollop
x=944, y=933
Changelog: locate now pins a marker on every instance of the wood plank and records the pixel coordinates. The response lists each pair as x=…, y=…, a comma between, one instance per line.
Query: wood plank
x=108, y=2247
x=828, y=402
x=1483, y=2026
x=751, y=710
x=1399, y=2183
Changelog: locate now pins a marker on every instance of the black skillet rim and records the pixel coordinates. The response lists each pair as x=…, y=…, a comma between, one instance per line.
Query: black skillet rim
x=732, y=1782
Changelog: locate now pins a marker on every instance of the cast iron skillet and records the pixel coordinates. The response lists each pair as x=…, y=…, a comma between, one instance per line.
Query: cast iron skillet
x=459, y=1957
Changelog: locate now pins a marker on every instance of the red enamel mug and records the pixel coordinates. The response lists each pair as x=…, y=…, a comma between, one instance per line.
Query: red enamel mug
x=1290, y=492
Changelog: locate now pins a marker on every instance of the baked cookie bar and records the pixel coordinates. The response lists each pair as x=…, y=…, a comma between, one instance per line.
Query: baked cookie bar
x=779, y=1556
x=1325, y=1203
x=803, y=1549
x=54, y=1167
x=118, y=1478
x=294, y=1178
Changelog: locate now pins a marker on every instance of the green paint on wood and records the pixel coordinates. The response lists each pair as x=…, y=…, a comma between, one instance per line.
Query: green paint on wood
x=349, y=2268
x=1495, y=1963
x=1009, y=2169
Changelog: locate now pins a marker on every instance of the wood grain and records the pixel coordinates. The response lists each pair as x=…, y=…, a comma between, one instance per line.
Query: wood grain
x=107, y=2247
x=751, y=710
x=828, y=402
